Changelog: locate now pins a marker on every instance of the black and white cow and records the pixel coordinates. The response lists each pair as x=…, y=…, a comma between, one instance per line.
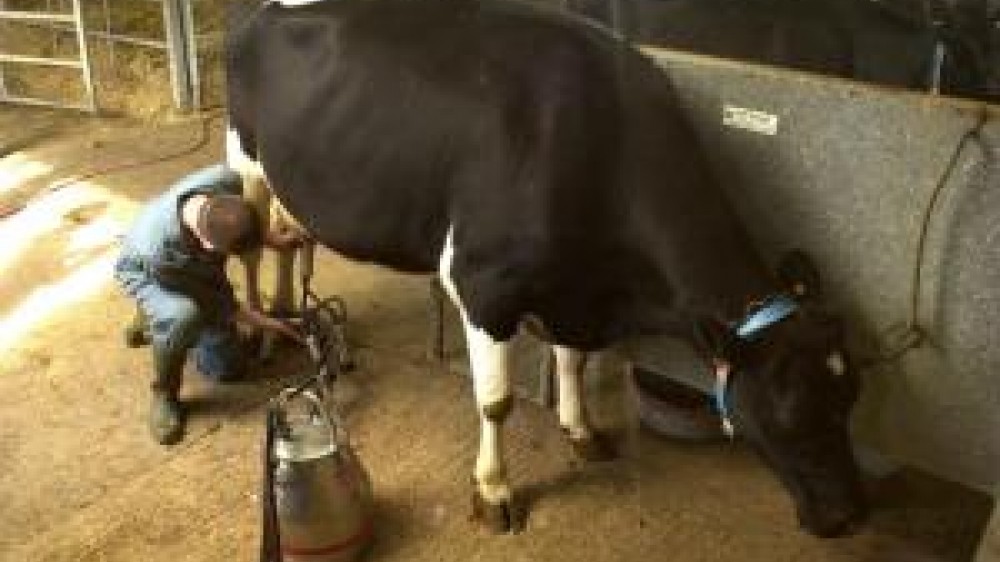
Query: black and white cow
x=542, y=170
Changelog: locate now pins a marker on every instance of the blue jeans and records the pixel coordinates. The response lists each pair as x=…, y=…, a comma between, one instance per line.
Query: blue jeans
x=178, y=323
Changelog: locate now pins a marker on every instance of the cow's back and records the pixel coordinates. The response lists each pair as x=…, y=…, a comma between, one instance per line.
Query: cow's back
x=373, y=120
x=559, y=159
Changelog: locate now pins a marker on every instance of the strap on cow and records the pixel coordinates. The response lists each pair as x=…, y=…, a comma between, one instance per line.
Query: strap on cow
x=722, y=372
x=770, y=312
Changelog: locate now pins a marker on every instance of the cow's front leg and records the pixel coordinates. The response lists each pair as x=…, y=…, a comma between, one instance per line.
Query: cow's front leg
x=492, y=501
x=588, y=443
x=492, y=498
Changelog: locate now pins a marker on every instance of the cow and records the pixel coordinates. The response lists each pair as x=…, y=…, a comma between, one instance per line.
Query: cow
x=542, y=170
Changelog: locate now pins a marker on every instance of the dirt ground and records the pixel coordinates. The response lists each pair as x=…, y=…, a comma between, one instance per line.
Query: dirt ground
x=80, y=480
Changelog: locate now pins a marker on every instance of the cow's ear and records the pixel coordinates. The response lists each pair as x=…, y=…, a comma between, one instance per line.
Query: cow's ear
x=714, y=339
x=799, y=275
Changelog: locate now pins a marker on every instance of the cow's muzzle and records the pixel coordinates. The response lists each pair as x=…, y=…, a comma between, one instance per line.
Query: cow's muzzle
x=834, y=520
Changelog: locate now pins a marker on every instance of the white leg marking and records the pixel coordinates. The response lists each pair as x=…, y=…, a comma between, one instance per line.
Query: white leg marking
x=489, y=361
x=569, y=370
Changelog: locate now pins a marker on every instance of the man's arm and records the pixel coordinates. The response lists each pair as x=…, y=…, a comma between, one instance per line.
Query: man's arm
x=249, y=315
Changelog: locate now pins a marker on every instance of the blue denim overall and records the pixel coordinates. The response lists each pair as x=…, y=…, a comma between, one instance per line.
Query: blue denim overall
x=181, y=288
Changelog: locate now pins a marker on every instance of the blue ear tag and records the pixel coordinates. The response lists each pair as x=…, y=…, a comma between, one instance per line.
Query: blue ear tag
x=773, y=310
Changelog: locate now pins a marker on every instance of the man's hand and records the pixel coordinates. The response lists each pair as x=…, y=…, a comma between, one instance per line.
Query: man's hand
x=262, y=320
x=284, y=238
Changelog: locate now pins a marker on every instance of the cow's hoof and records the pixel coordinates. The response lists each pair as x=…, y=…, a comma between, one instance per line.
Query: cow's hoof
x=595, y=448
x=500, y=518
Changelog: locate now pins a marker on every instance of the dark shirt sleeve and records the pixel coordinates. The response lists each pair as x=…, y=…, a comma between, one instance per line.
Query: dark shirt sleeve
x=207, y=284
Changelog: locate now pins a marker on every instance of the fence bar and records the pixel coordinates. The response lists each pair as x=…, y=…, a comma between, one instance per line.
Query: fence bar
x=3, y=82
x=138, y=41
x=88, y=75
x=173, y=18
x=21, y=59
x=36, y=16
x=44, y=103
x=190, y=33
x=104, y=36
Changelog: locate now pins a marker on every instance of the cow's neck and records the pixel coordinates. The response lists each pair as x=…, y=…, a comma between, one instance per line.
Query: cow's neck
x=679, y=285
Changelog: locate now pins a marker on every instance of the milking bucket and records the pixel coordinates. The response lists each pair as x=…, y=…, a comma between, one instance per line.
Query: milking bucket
x=318, y=504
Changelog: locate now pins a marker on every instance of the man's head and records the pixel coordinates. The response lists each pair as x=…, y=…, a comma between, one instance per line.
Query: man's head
x=228, y=224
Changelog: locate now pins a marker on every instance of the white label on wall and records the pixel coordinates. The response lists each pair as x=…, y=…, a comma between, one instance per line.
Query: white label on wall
x=750, y=119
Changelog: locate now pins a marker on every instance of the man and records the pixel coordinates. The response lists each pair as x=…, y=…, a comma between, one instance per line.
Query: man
x=173, y=263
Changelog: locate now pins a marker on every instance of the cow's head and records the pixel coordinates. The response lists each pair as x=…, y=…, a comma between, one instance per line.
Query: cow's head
x=790, y=391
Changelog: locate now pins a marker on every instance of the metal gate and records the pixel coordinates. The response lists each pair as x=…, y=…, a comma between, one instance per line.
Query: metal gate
x=68, y=17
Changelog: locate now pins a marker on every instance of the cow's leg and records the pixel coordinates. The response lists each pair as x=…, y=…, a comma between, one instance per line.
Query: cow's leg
x=492, y=497
x=489, y=361
x=255, y=190
x=587, y=442
x=252, y=258
x=284, y=280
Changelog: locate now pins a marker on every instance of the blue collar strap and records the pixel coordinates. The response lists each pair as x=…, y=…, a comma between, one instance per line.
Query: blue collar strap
x=770, y=312
x=722, y=372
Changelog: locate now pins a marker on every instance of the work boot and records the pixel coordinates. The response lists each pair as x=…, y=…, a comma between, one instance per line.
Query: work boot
x=137, y=331
x=166, y=420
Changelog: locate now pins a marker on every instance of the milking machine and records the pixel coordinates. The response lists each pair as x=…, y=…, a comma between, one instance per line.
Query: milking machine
x=317, y=498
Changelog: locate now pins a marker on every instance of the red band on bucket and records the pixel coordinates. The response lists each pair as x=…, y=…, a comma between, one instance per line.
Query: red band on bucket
x=359, y=537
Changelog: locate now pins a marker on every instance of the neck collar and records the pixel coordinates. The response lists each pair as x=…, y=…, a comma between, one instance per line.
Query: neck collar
x=768, y=313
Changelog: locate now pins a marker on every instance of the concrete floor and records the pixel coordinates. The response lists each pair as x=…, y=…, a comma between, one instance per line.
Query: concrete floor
x=81, y=481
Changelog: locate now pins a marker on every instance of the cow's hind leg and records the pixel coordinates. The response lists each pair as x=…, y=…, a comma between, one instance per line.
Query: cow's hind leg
x=255, y=191
x=588, y=443
x=492, y=498
x=284, y=275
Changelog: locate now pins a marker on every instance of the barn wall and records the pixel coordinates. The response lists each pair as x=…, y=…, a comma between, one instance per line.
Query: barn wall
x=847, y=175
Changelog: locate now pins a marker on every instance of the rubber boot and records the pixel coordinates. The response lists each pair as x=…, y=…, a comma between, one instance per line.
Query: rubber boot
x=166, y=418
